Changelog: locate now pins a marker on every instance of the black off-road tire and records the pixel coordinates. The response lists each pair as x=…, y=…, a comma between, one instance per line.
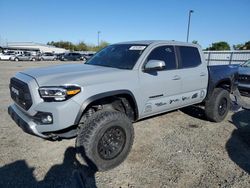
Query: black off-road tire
x=217, y=107
x=93, y=139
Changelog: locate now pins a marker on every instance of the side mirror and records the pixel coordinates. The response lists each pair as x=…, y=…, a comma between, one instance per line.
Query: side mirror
x=154, y=65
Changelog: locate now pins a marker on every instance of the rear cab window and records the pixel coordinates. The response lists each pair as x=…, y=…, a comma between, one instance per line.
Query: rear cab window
x=188, y=56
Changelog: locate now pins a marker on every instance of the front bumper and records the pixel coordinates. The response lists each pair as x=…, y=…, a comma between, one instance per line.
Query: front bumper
x=63, y=125
x=244, y=89
x=244, y=86
x=23, y=121
x=63, y=113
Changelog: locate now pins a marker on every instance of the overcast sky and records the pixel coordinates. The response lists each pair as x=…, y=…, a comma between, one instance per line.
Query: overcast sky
x=124, y=20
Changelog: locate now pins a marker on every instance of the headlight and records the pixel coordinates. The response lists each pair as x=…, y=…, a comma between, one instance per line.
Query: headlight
x=61, y=93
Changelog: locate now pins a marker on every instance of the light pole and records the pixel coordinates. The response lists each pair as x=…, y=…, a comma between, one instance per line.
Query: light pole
x=98, y=38
x=189, y=19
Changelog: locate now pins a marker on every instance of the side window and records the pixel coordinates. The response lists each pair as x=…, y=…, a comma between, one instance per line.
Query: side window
x=189, y=57
x=166, y=54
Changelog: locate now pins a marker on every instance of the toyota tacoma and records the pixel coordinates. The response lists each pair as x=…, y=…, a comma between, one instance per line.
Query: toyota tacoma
x=98, y=101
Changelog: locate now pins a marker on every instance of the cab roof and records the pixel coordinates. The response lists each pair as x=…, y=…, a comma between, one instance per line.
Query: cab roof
x=155, y=42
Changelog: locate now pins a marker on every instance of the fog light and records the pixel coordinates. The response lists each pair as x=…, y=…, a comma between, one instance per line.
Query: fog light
x=47, y=119
x=43, y=118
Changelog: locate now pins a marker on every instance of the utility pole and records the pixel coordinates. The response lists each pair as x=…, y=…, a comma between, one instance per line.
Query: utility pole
x=98, y=38
x=189, y=20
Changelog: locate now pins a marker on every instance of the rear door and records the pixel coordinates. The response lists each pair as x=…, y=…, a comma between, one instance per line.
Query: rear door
x=194, y=75
x=161, y=89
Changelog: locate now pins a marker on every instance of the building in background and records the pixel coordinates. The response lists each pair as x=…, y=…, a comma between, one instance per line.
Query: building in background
x=32, y=46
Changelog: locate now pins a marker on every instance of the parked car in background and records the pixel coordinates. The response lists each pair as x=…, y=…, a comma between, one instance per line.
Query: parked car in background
x=59, y=56
x=89, y=55
x=6, y=56
x=244, y=78
x=48, y=57
x=26, y=56
x=72, y=56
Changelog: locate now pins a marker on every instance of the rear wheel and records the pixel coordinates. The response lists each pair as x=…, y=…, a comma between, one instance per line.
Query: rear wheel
x=217, y=107
x=16, y=59
x=105, y=139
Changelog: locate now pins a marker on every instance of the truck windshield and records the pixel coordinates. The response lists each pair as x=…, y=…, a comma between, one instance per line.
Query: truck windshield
x=246, y=64
x=121, y=56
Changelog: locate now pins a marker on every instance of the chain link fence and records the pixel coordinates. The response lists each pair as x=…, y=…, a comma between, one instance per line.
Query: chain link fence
x=226, y=57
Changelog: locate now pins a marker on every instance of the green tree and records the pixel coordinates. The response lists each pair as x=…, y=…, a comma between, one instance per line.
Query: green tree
x=195, y=42
x=219, y=46
x=246, y=46
x=81, y=46
x=238, y=46
x=102, y=45
x=63, y=44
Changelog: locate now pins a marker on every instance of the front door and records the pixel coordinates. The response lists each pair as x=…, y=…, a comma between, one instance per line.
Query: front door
x=161, y=89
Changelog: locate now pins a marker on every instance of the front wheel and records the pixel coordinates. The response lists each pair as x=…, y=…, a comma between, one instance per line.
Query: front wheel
x=105, y=139
x=217, y=107
x=16, y=59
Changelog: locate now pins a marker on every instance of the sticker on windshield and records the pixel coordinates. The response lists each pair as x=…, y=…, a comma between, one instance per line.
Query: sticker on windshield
x=137, y=47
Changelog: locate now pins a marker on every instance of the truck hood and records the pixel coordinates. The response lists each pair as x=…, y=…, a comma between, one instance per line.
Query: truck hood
x=70, y=74
x=244, y=70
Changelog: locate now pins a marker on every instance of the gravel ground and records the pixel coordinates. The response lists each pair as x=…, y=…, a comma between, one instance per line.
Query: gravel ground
x=176, y=149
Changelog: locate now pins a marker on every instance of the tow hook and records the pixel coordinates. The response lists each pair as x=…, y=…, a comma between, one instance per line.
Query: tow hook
x=239, y=101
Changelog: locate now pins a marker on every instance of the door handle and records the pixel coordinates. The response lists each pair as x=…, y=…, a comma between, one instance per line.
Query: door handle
x=176, y=77
x=203, y=74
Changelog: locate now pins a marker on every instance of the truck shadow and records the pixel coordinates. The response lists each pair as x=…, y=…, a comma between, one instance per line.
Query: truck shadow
x=238, y=146
x=68, y=174
x=194, y=111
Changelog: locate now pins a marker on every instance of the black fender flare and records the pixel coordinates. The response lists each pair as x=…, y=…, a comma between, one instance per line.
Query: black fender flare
x=104, y=95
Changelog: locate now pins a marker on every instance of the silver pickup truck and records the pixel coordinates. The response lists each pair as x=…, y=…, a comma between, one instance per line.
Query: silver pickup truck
x=97, y=101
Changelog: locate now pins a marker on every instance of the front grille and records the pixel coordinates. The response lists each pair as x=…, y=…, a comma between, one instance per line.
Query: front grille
x=244, y=79
x=20, y=93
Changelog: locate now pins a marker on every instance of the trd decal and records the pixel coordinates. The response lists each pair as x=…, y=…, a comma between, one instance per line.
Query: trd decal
x=173, y=100
x=202, y=94
x=185, y=98
x=160, y=104
x=148, y=108
x=194, y=95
